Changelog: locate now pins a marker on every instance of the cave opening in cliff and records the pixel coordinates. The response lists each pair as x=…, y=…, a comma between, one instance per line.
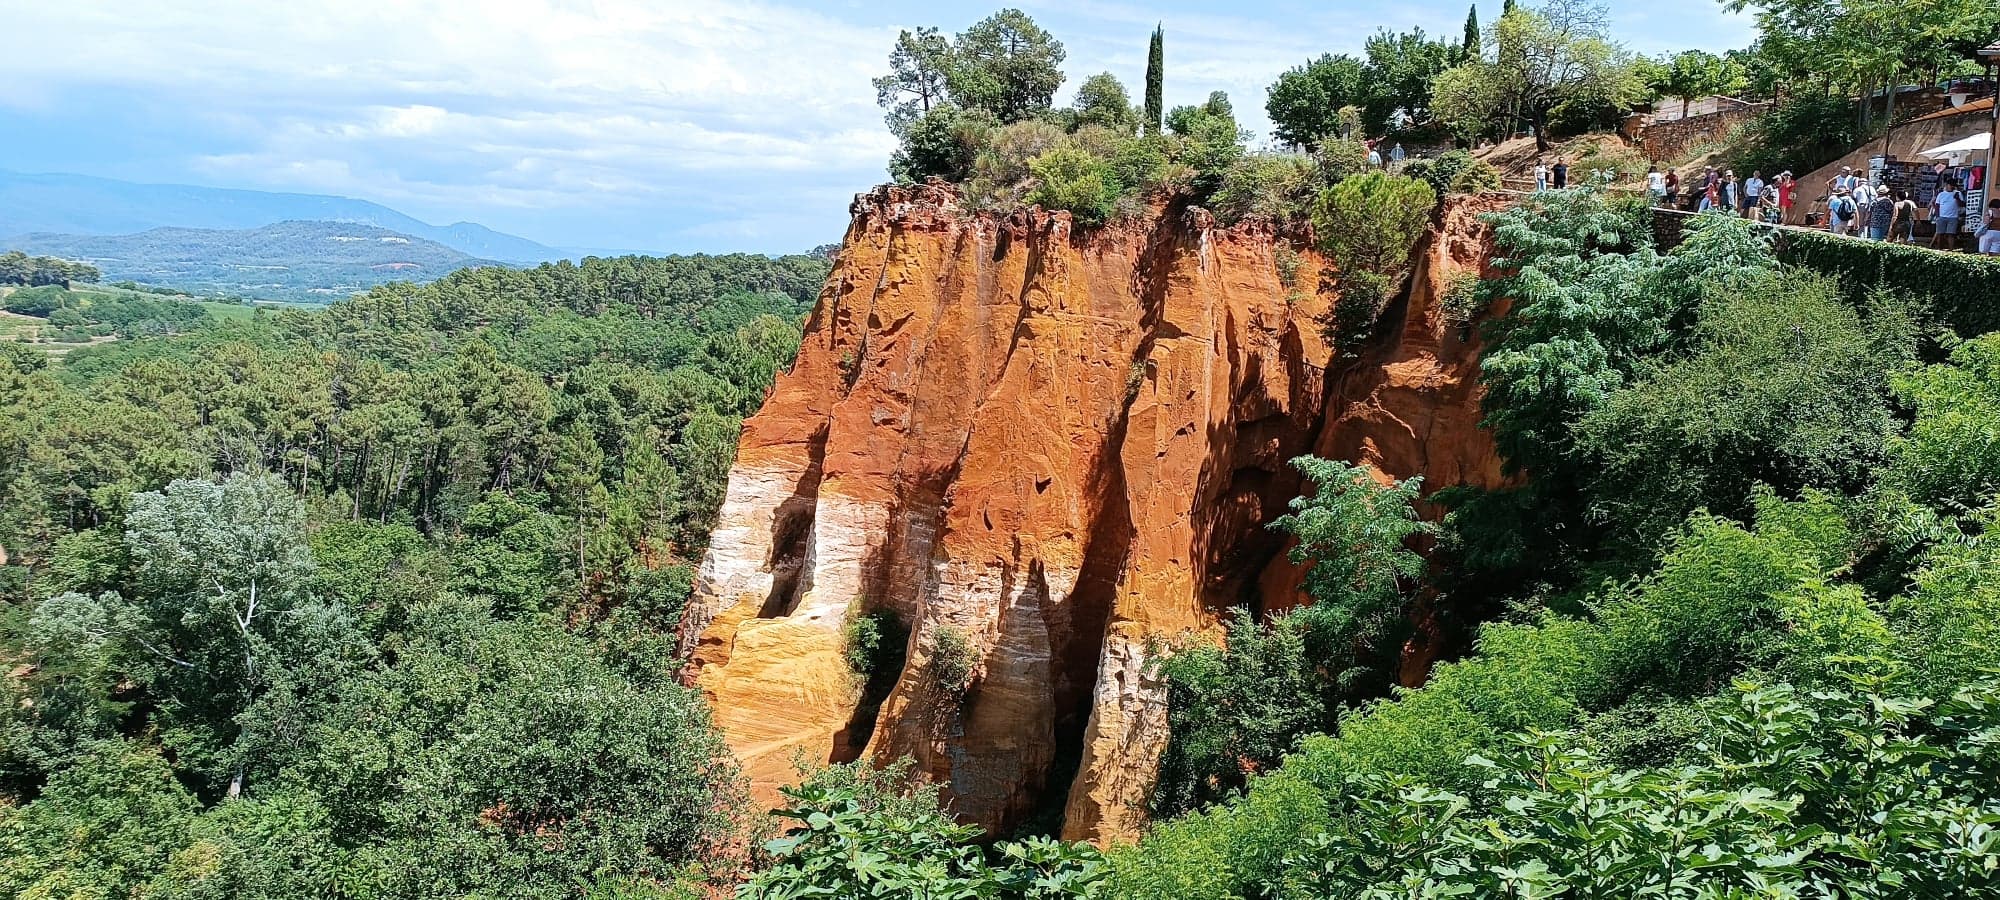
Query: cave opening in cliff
x=791, y=530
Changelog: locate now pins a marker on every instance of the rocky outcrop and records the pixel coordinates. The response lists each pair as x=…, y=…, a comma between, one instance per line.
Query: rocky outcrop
x=1062, y=446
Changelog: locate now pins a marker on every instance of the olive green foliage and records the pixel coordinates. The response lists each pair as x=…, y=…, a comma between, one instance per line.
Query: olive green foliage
x=1369, y=225
x=1274, y=187
x=34, y=271
x=1241, y=707
x=861, y=832
x=1068, y=177
x=1461, y=302
x=1101, y=100
x=954, y=660
x=1951, y=454
x=1552, y=63
x=874, y=641
x=1441, y=171
x=381, y=600
x=1782, y=384
x=1829, y=793
x=1099, y=159
x=1591, y=301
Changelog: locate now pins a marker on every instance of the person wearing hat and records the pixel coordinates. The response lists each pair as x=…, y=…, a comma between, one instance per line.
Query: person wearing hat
x=1845, y=181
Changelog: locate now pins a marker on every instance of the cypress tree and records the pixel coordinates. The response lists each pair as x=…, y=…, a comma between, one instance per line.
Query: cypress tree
x=1471, y=49
x=1507, y=7
x=1156, y=81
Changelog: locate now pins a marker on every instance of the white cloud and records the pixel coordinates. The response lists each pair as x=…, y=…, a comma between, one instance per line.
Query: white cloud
x=583, y=120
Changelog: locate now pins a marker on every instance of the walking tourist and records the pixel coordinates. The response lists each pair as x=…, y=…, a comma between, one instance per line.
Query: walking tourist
x=1788, y=188
x=1656, y=185
x=1541, y=175
x=1905, y=226
x=1560, y=174
x=1840, y=211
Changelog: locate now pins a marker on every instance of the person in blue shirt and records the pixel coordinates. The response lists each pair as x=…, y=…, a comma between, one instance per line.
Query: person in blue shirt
x=1947, y=211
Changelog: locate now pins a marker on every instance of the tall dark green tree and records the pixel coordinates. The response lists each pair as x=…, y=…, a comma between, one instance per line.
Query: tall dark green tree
x=1156, y=80
x=1470, y=48
x=1007, y=65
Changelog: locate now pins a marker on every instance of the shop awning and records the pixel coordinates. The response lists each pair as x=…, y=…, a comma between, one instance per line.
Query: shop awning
x=1973, y=144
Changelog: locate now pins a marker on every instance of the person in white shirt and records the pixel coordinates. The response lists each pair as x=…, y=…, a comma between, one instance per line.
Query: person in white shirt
x=1656, y=184
x=1541, y=175
x=1864, y=194
x=1753, y=193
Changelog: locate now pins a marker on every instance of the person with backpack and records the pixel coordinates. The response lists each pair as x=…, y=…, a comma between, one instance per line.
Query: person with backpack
x=1840, y=211
x=1947, y=208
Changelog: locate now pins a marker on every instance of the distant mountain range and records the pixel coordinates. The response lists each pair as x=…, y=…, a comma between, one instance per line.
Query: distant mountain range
x=305, y=261
x=79, y=204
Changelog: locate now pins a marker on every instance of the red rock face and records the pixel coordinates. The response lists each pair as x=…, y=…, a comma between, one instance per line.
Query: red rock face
x=1064, y=445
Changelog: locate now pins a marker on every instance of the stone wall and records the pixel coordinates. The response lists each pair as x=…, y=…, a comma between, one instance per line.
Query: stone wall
x=1667, y=140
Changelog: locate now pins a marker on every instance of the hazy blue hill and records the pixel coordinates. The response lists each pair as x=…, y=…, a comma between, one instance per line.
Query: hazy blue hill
x=287, y=261
x=78, y=204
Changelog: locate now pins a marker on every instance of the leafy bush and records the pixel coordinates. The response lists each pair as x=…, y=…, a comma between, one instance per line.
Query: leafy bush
x=954, y=662
x=1275, y=187
x=1070, y=178
x=39, y=301
x=1800, y=134
x=1461, y=303
x=874, y=641
x=865, y=833
x=1784, y=385
x=1369, y=225
x=943, y=143
x=1476, y=178
x=1240, y=708
x=1443, y=172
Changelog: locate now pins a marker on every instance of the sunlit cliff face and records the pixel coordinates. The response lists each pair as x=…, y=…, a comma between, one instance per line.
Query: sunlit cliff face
x=1063, y=446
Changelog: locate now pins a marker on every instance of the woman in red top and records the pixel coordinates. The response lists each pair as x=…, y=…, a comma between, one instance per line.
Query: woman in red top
x=1786, y=185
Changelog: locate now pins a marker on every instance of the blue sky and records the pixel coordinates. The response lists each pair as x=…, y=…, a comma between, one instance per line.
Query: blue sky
x=646, y=124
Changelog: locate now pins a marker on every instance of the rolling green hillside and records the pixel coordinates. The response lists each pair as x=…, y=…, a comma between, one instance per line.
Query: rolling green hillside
x=300, y=261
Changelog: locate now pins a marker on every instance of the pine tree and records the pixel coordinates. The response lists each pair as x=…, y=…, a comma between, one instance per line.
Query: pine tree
x=1155, y=81
x=1507, y=7
x=1471, y=49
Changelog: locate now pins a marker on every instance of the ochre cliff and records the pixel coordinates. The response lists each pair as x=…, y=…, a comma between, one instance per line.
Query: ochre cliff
x=1065, y=445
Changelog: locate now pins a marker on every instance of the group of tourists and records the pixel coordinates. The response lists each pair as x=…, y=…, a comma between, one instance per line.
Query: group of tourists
x=1720, y=190
x=1866, y=208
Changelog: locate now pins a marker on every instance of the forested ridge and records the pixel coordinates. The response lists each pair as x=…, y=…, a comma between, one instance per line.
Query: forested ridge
x=378, y=601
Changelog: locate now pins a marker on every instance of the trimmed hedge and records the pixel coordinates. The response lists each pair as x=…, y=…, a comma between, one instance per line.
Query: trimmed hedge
x=1961, y=289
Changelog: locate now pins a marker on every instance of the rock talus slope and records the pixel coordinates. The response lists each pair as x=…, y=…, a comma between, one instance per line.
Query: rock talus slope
x=1064, y=446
